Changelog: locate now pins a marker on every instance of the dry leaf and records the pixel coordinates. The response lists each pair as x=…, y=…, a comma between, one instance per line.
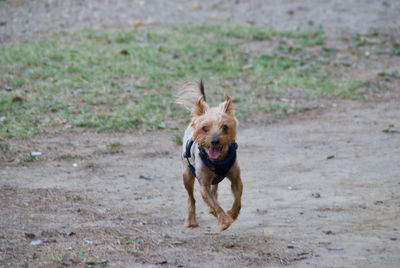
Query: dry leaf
x=136, y=23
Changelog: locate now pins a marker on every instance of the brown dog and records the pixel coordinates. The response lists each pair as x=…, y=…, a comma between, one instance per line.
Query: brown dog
x=209, y=151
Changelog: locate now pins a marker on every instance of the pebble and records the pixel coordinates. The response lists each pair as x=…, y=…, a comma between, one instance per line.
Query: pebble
x=36, y=242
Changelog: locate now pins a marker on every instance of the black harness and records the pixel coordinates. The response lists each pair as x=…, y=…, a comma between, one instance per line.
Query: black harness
x=220, y=168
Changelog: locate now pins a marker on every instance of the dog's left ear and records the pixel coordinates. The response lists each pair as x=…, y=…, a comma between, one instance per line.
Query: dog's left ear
x=227, y=106
x=200, y=106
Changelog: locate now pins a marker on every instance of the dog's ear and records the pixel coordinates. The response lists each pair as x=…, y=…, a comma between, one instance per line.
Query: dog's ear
x=227, y=106
x=200, y=107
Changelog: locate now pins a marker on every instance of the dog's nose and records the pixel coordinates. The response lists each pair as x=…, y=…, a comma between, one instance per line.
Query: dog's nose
x=215, y=141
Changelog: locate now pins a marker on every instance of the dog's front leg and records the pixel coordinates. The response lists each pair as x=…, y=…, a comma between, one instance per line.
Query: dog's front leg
x=188, y=181
x=237, y=189
x=214, y=193
x=224, y=220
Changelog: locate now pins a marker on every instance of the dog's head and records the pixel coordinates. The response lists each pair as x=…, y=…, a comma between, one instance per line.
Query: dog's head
x=214, y=128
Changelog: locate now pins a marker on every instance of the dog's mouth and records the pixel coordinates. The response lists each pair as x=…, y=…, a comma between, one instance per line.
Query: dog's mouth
x=214, y=152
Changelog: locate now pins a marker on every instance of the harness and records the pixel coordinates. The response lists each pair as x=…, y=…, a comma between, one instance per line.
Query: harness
x=220, y=168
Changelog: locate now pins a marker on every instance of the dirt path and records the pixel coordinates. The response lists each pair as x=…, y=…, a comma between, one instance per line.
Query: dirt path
x=321, y=188
x=26, y=19
x=342, y=211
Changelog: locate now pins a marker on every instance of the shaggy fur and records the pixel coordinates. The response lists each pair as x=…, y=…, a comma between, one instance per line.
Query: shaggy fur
x=213, y=129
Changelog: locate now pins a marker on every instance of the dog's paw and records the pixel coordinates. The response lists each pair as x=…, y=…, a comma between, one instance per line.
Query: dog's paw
x=233, y=214
x=224, y=222
x=212, y=212
x=191, y=223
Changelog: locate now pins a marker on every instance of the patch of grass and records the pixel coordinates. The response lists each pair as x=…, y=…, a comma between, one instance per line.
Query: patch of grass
x=30, y=158
x=105, y=262
x=69, y=157
x=390, y=129
x=114, y=144
x=57, y=260
x=114, y=82
x=74, y=198
x=307, y=36
x=178, y=139
x=126, y=241
x=4, y=148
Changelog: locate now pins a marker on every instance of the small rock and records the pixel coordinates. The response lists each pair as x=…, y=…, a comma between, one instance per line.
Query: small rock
x=68, y=260
x=36, y=153
x=51, y=240
x=179, y=242
x=8, y=88
x=87, y=241
x=229, y=245
x=316, y=195
x=145, y=177
x=67, y=233
x=36, y=242
x=160, y=262
x=30, y=235
x=330, y=157
x=74, y=164
x=261, y=211
x=124, y=52
x=246, y=67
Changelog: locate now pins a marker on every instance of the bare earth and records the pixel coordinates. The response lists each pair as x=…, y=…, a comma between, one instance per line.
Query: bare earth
x=321, y=188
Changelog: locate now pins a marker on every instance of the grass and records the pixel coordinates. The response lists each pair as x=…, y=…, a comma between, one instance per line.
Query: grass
x=30, y=158
x=178, y=139
x=114, y=144
x=105, y=262
x=114, y=82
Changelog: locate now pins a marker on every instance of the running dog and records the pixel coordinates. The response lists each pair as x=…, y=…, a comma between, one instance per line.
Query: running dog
x=209, y=153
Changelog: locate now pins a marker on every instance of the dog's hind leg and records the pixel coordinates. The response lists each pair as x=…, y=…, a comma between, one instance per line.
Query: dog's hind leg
x=237, y=189
x=188, y=181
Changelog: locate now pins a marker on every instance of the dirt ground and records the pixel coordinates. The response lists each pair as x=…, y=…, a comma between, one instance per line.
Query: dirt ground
x=321, y=188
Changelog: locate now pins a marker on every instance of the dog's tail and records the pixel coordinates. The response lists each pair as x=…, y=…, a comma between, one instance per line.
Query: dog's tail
x=189, y=93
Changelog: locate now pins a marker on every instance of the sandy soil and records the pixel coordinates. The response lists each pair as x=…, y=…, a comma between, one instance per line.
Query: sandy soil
x=321, y=188
x=28, y=19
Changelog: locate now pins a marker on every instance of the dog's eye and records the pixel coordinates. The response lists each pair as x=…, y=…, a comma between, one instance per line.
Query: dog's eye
x=205, y=129
x=225, y=128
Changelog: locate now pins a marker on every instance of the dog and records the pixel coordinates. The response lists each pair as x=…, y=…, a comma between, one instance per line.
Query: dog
x=209, y=153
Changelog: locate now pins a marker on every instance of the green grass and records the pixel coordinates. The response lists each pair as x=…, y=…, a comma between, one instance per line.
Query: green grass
x=30, y=158
x=114, y=82
x=104, y=263
x=114, y=144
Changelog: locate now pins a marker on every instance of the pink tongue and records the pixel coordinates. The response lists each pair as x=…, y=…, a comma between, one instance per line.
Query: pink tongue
x=213, y=153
